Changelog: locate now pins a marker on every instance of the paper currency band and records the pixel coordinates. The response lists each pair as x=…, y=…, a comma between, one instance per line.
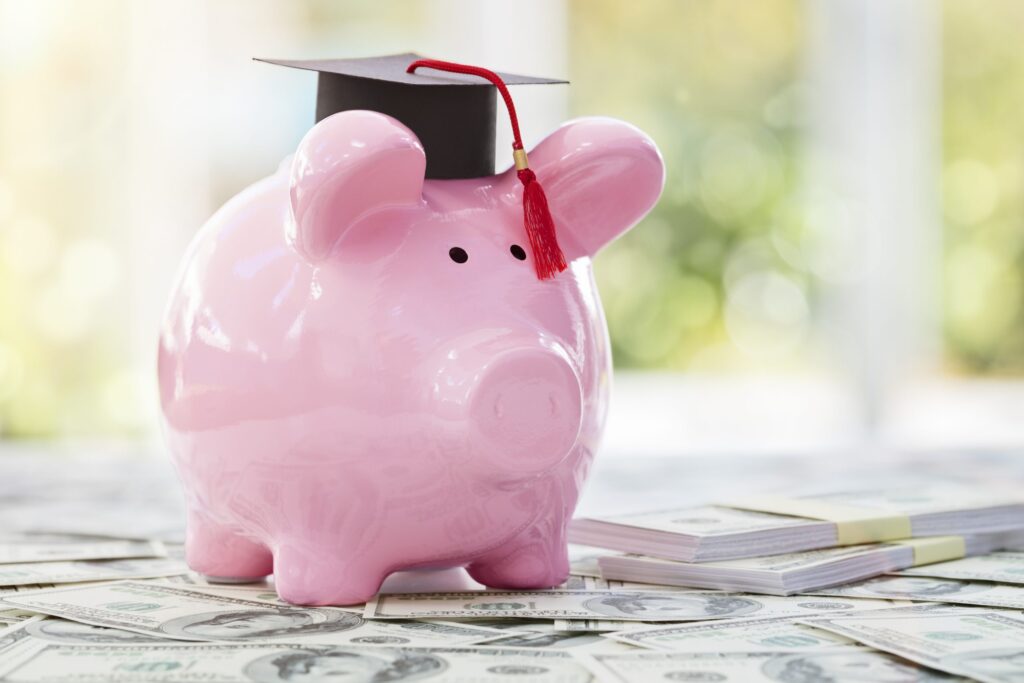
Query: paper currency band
x=854, y=525
x=935, y=549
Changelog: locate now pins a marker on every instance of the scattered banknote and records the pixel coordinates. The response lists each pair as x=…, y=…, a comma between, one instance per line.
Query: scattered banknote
x=838, y=665
x=582, y=583
x=592, y=583
x=928, y=589
x=583, y=560
x=771, y=634
x=616, y=584
x=775, y=634
x=201, y=583
x=10, y=638
x=628, y=606
x=65, y=632
x=784, y=607
x=1001, y=567
x=55, y=547
x=262, y=591
x=11, y=590
x=596, y=625
x=778, y=608
x=983, y=645
x=545, y=635
x=31, y=573
x=609, y=626
x=13, y=616
x=39, y=662
x=561, y=604
x=166, y=611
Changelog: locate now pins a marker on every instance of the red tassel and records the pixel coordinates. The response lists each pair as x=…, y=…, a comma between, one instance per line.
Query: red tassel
x=548, y=259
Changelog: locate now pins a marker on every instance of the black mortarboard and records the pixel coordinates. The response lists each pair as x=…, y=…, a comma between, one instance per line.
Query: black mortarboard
x=454, y=115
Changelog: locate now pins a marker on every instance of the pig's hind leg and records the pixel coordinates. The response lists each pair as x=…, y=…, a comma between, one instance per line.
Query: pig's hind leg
x=317, y=574
x=223, y=555
x=530, y=561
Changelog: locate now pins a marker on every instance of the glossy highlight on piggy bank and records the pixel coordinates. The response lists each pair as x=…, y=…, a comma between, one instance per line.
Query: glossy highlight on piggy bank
x=361, y=373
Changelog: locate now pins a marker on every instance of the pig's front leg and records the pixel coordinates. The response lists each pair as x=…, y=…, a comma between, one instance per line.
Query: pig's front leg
x=307, y=574
x=532, y=560
x=221, y=554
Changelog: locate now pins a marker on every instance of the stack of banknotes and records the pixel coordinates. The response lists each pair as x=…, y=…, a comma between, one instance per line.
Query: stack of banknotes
x=782, y=546
x=84, y=608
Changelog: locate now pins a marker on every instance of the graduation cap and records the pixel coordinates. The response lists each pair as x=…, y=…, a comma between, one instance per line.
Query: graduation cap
x=452, y=109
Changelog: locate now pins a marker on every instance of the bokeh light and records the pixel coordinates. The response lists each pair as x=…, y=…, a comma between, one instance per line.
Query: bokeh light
x=702, y=284
x=983, y=186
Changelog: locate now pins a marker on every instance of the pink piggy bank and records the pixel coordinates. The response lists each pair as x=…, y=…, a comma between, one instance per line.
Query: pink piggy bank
x=361, y=373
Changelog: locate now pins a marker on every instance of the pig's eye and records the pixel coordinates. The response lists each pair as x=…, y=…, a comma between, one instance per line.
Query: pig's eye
x=518, y=252
x=458, y=254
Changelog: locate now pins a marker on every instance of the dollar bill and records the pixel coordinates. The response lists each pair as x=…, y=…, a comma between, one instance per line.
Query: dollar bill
x=11, y=590
x=199, y=581
x=928, y=589
x=579, y=583
x=65, y=632
x=626, y=606
x=838, y=665
x=20, y=548
x=773, y=634
x=30, y=573
x=1001, y=567
x=11, y=638
x=594, y=625
x=39, y=662
x=543, y=634
x=583, y=560
x=636, y=586
x=598, y=625
x=262, y=591
x=777, y=606
x=178, y=613
x=591, y=583
x=986, y=646
x=13, y=616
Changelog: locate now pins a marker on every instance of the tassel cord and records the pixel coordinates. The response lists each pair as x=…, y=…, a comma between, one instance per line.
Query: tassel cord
x=548, y=258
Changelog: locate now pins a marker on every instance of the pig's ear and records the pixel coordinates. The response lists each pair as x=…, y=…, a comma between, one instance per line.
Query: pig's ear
x=601, y=176
x=348, y=166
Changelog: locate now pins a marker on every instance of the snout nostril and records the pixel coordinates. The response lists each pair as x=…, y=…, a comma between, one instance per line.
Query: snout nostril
x=527, y=407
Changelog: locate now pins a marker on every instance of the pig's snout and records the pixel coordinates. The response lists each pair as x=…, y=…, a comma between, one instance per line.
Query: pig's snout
x=526, y=408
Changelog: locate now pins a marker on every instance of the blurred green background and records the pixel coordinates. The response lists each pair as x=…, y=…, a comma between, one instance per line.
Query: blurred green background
x=720, y=92
x=716, y=280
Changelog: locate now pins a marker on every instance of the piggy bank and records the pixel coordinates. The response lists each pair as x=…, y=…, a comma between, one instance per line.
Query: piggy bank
x=361, y=373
